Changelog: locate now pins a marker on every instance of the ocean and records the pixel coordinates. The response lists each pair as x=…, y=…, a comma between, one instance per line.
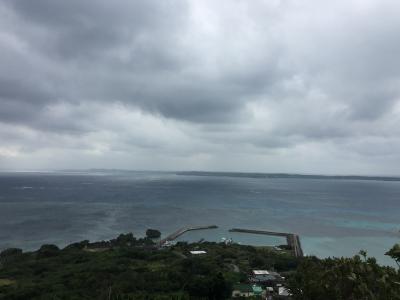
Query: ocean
x=334, y=216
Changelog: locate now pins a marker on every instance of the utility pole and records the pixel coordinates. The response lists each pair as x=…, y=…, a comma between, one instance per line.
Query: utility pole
x=109, y=293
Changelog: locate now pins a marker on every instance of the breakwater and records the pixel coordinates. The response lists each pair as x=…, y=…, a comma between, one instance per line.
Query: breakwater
x=293, y=240
x=183, y=230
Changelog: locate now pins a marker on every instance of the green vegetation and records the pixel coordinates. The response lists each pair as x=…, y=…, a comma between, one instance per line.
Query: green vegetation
x=359, y=277
x=153, y=233
x=395, y=254
x=130, y=268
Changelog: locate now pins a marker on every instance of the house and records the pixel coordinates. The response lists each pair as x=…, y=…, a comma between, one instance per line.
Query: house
x=260, y=272
x=246, y=290
x=282, y=291
x=269, y=293
x=265, y=278
x=168, y=244
x=197, y=252
x=242, y=290
x=257, y=290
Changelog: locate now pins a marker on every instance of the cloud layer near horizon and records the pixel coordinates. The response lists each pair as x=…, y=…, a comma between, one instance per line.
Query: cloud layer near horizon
x=267, y=86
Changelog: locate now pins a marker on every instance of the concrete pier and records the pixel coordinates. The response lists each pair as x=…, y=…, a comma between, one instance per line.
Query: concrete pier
x=293, y=240
x=183, y=230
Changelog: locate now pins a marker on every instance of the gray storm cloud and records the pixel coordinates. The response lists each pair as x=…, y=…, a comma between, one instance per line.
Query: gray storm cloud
x=272, y=86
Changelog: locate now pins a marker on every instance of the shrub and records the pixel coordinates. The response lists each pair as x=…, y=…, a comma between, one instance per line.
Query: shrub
x=10, y=252
x=48, y=250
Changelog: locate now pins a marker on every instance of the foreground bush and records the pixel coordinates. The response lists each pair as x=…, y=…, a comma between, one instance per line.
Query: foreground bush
x=359, y=277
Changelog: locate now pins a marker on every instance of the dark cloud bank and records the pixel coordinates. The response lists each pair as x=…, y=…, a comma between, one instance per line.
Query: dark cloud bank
x=267, y=86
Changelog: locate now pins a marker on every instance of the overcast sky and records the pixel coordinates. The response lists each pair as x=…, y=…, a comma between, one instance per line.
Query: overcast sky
x=293, y=86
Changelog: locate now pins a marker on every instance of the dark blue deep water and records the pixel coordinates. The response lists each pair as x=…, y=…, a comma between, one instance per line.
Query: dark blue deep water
x=334, y=217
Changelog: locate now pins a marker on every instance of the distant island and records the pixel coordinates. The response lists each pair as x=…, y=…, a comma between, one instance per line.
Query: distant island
x=143, y=268
x=285, y=175
x=242, y=174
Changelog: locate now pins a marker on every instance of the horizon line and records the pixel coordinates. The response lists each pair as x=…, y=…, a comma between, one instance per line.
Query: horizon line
x=199, y=172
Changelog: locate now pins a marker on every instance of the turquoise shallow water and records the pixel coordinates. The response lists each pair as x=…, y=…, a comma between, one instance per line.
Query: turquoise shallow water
x=334, y=217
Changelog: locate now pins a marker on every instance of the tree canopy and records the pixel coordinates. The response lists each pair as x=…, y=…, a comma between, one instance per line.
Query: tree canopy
x=153, y=233
x=359, y=277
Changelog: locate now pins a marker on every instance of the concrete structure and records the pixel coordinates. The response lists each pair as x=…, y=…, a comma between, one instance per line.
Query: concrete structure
x=197, y=252
x=260, y=272
x=246, y=290
x=293, y=240
x=282, y=291
x=266, y=278
x=183, y=230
